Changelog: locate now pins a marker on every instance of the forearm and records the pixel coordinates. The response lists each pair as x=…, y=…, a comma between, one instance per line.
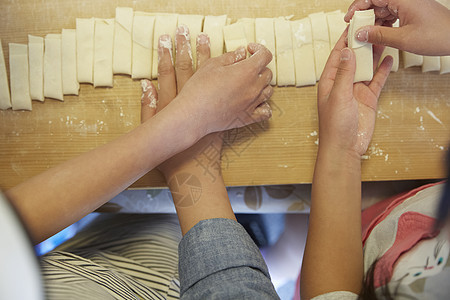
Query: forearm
x=62, y=195
x=333, y=256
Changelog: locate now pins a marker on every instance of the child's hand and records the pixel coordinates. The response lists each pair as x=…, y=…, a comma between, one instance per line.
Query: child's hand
x=424, y=25
x=347, y=111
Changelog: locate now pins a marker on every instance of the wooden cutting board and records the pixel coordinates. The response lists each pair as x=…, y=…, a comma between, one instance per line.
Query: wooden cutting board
x=411, y=136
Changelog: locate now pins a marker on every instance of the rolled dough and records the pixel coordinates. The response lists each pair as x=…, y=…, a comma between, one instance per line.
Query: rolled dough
x=213, y=27
x=36, y=67
x=249, y=27
x=123, y=41
x=412, y=60
x=265, y=35
x=363, y=51
x=445, y=64
x=164, y=24
x=142, y=46
x=195, y=24
x=103, y=52
x=305, y=73
x=431, y=64
x=52, y=67
x=69, y=62
x=321, y=41
x=18, y=70
x=336, y=26
x=234, y=36
x=85, y=50
x=285, y=53
x=5, y=97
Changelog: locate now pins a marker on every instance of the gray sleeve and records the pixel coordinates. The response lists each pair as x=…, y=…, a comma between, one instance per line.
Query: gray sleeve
x=218, y=260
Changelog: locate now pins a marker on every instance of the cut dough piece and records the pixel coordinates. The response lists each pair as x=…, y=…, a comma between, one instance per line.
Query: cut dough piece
x=164, y=24
x=392, y=52
x=234, y=36
x=213, y=27
x=363, y=51
x=18, y=70
x=69, y=62
x=431, y=64
x=321, y=41
x=103, y=52
x=142, y=46
x=122, y=40
x=52, y=67
x=5, y=98
x=412, y=60
x=305, y=70
x=265, y=35
x=336, y=26
x=36, y=67
x=85, y=49
x=445, y=64
x=195, y=24
x=249, y=27
x=285, y=53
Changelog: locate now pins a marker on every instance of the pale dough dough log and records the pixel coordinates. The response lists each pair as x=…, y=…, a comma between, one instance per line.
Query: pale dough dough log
x=305, y=73
x=265, y=35
x=234, y=36
x=85, y=50
x=285, y=53
x=213, y=27
x=363, y=51
x=69, y=62
x=321, y=41
x=142, y=46
x=164, y=24
x=431, y=64
x=52, y=67
x=5, y=97
x=336, y=26
x=122, y=40
x=36, y=67
x=18, y=70
x=103, y=52
x=412, y=60
x=392, y=52
x=195, y=25
x=249, y=28
x=445, y=64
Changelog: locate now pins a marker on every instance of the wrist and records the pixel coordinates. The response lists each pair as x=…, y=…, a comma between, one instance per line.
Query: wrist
x=339, y=159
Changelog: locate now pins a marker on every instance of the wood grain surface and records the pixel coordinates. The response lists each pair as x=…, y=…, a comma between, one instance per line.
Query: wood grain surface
x=411, y=136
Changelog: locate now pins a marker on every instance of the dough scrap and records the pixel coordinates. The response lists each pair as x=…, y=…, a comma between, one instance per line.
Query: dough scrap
x=18, y=70
x=363, y=51
x=305, y=73
x=36, y=67
x=5, y=97
x=195, y=24
x=103, y=52
x=285, y=53
x=85, y=50
x=445, y=64
x=52, y=67
x=234, y=36
x=412, y=60
x=123, y=41
x=70, y=83
x=265, y=35
x=213, y=27
x=142, y=46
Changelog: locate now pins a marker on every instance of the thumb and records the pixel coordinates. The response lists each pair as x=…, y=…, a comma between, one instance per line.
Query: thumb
x=343, y=82
x=233, y=57
x=380, y=35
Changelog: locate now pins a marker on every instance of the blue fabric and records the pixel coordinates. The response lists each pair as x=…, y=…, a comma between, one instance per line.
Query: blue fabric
x=218, y=260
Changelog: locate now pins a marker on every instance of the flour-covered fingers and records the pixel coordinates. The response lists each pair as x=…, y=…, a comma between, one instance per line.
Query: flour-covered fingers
x=203, y=49
x=183, y=65
x=149, y=100
x=167, y=86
